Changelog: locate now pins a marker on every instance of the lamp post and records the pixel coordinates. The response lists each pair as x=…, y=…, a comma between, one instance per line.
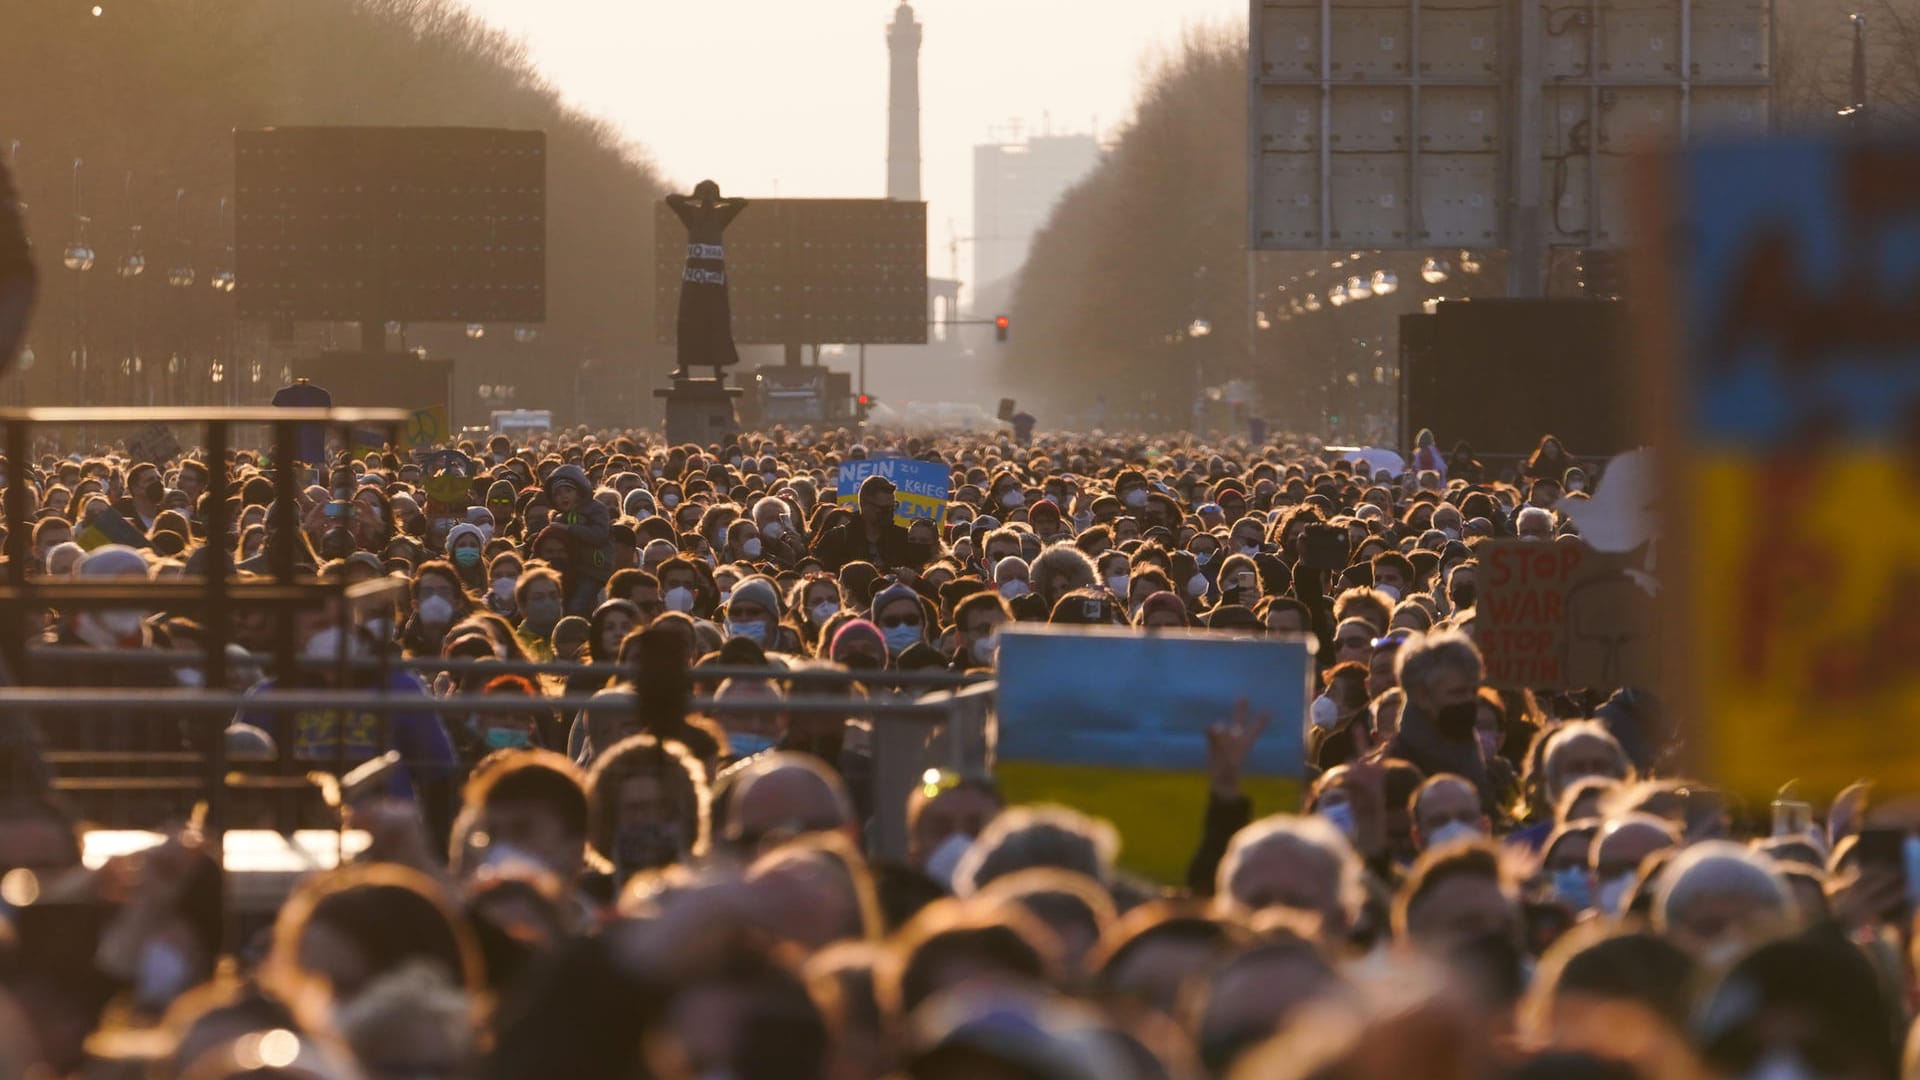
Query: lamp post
x=1855, y=114
x=78, y=257
x=1197, y=332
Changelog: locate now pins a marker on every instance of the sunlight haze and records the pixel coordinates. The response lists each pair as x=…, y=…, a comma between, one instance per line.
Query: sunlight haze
x=771, y=97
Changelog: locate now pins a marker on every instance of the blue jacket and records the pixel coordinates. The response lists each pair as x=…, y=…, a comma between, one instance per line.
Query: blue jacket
x=318, y=736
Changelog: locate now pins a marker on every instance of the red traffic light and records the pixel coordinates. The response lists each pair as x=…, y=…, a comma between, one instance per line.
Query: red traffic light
x=1002, y=322
x=1000, y=325
x=865, y=401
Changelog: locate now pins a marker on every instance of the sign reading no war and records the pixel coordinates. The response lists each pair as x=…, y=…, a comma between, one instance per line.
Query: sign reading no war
x=1089, y=696
x=920, y=487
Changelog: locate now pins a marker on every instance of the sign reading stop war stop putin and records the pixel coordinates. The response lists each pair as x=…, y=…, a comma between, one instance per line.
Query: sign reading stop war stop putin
x=1563, y=616
x=1791, y=369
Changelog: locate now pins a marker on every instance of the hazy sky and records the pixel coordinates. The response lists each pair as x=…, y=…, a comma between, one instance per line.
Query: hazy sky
x=789, y=97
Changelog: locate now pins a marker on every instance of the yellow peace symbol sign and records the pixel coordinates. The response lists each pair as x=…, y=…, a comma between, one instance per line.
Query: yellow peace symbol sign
x=425, y=427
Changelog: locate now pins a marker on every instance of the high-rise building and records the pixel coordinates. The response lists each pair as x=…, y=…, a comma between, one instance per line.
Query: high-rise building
x=1015, y=186
x=903, y=106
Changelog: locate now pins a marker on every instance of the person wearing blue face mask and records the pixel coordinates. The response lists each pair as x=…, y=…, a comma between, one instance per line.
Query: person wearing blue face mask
x=902, y=618
x=464, y=542
x=753, y=612
x=491, y=731
x=1564, y=866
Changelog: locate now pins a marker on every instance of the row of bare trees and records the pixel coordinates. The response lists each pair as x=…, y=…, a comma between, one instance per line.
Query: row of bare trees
x=1155, y=239
x=148, y=93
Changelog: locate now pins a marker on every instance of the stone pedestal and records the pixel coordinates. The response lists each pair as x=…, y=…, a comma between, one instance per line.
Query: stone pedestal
x=700, y=411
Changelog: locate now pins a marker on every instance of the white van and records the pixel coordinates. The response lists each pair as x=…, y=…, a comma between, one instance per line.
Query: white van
x=517, y=422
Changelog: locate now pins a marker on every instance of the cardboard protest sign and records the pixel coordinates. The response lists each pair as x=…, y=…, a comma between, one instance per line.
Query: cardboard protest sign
x=1563, y=616
x=1789, y=363
x=1114, y=723
x=920, y=487
x=154, y=443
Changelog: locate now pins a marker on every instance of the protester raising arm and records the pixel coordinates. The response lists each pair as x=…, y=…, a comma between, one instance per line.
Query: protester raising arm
x=1228, y=807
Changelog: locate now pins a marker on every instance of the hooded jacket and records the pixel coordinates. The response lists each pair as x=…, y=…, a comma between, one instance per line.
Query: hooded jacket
x=588, y=526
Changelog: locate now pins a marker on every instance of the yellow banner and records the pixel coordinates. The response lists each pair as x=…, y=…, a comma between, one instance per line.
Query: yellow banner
x=1804, y=636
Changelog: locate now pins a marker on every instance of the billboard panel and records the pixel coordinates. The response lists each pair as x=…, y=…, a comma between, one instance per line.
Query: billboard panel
x=811, y=272
x=1394, y=124
x=340, y=224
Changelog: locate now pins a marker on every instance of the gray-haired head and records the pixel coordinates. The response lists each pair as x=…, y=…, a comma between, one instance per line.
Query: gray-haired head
x=1024, y=837
x=1421, y=662
x=1291, y=861
x=1717, y=898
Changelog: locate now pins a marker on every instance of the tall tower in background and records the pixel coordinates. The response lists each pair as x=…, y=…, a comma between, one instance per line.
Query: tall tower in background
x=903, y=107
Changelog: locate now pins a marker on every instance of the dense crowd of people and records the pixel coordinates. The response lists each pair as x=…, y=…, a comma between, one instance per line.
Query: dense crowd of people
x=1476, y=881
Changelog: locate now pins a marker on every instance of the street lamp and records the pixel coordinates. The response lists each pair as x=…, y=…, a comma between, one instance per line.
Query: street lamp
x=182, y=275
x=222, y=279
x=476, y=331
x=1199, y=328
x=79, y=254
x=1856, y=110
x=133, y=264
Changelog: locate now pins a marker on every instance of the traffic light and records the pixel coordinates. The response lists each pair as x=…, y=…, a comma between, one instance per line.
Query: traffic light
x=1000, y=325
x=860, y=407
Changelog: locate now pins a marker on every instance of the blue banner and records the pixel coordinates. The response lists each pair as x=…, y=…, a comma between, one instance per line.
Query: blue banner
x=920, y=487
x=1086, y=696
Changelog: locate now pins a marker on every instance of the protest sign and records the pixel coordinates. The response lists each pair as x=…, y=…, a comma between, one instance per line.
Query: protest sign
x=920, y=487
x=155, y=443
x=425, y=428
x=1563, y=616
x=1789, y=365
x=1114, y=723
x=103, y=526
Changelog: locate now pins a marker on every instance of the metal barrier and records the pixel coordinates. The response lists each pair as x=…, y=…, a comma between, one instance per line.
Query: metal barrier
x=215, y=596
x=909, y=736
x=97, y=710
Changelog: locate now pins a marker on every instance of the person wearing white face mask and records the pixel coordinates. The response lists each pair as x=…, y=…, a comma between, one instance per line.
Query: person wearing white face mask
x=1010, y=577
x=1445, y=809
x=683, y=581
x=977, y=622
x=505, y=574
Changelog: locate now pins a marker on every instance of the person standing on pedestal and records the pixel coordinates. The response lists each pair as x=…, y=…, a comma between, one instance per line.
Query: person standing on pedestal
x=705, y=326
x=17, y=280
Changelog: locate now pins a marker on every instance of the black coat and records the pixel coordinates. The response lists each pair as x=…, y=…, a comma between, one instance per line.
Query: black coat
x=848, y=542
